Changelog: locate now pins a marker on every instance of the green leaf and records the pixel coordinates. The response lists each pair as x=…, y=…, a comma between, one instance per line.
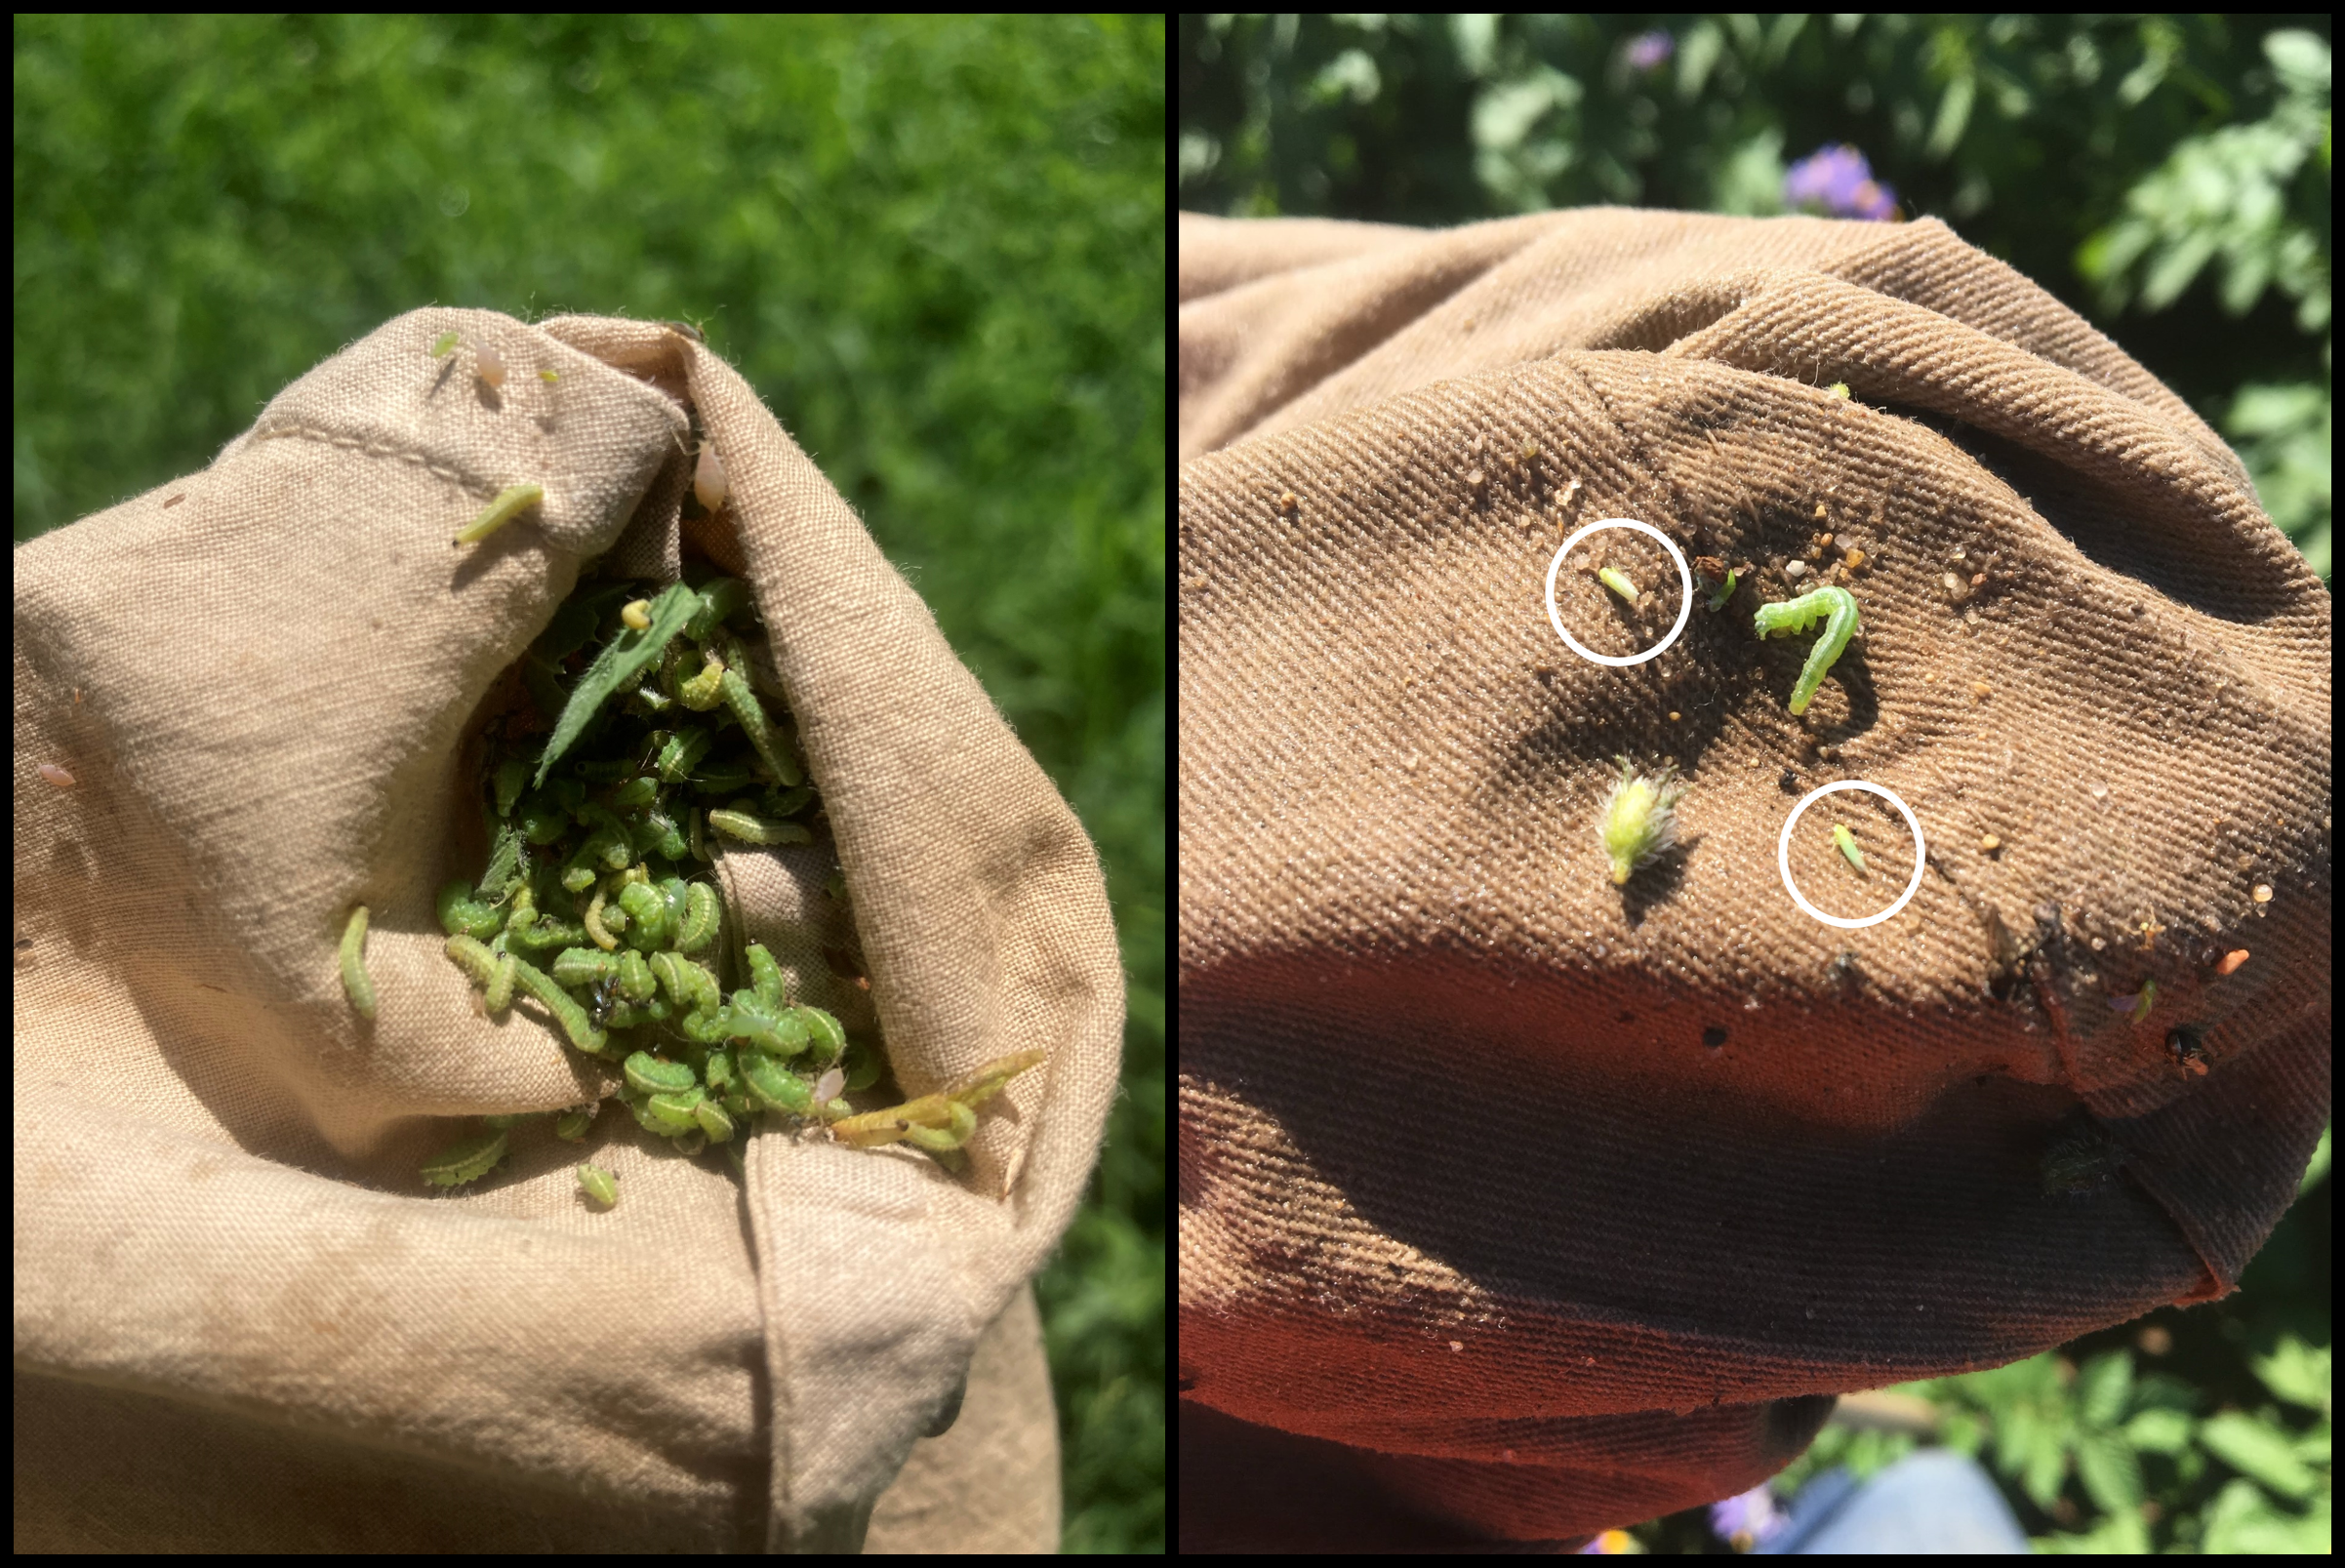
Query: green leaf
x=2241, y=1520
x=615, y=668
x=2110, y=1472
x=2158, y=1431
x=1953, y=116
x=2297, y=1373
x=2031, y=1444
x=2259, y=1452
x=2299, y=56
x=2103, y=1387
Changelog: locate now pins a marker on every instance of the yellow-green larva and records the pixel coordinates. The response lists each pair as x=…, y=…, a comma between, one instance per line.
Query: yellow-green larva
x=467, y=1159
x=733, y=686
x=1618, y=583
x=715, y=1125
x=599, y=1183
x=582, y=1030
x=497, y=995
x=750, y=828
x=1847, y=846
x=442, y=344
x=509, y=503
x=702, y=912
x=591, y=875
x=982, y=1083
x=1836, y=608
x=648, y=1075
x=354, y=977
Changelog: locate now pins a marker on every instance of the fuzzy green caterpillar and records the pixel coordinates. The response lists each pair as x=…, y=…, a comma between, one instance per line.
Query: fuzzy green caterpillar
x=1638, y=821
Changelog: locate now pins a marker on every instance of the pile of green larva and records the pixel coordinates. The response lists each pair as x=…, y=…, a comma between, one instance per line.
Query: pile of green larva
x=602, y=795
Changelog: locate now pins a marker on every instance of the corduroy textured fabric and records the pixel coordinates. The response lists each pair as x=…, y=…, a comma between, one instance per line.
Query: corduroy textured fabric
x=260, y=681
x=1516, y=1204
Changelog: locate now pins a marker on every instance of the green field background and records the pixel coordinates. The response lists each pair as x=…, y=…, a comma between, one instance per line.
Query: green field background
x=936, y=247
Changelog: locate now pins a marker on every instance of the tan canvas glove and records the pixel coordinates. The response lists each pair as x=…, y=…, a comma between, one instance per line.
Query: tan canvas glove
x=242, y=705
x=1518, y=1201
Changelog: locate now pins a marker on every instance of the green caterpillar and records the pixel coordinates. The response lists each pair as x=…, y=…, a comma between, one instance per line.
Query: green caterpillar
x=585, y=794
x=1797, y=615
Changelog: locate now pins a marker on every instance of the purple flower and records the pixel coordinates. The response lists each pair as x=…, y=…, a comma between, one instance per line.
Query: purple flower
x=1749, y=1520
x=1651, y=49
x=1839, y=183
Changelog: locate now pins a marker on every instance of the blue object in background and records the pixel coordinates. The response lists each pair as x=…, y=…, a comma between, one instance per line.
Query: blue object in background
x=1930, y=1502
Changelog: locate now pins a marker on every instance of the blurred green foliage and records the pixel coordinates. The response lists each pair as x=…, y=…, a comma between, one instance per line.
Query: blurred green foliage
x=936, y=247
x=2165, y=176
